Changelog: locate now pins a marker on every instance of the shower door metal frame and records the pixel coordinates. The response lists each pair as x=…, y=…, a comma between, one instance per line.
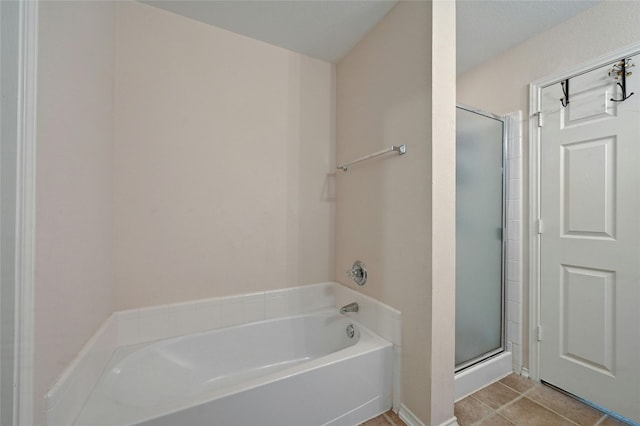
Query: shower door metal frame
x=503, y=329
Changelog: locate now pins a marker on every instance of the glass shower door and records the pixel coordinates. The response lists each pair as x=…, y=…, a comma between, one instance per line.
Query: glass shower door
x=479, y=243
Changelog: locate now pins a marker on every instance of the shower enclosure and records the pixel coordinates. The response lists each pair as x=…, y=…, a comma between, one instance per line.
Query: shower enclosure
x=480, y=224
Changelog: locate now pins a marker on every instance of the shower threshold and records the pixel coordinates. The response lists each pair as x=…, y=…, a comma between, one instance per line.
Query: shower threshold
x=481, y=374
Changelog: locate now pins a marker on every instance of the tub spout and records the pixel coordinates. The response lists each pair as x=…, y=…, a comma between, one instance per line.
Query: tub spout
x=351, y=307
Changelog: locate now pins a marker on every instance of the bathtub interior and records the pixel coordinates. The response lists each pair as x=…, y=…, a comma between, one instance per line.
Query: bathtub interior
x=198, y=369
x=196, y=364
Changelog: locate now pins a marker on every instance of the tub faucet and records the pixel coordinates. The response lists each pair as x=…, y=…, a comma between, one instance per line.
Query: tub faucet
x=351, y=307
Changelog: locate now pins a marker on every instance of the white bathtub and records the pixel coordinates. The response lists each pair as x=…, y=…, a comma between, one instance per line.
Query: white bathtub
x=294, y=371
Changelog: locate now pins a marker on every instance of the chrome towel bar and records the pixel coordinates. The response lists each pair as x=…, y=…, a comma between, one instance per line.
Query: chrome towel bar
x=402, y=149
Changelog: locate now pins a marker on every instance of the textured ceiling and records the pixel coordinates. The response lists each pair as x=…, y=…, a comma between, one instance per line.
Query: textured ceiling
x=328, y=29
x=322, y=29
x=486, y=28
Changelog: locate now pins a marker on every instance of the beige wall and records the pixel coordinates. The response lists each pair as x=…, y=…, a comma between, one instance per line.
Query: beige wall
x=501, y=84
x=212, y=178
x=385, y=207
x=194, y=158
x=443, y=211
x=222, y=149
x=73, y=292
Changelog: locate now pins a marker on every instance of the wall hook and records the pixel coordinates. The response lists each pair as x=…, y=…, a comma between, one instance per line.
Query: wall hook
x=619, y=72
x=565, y=91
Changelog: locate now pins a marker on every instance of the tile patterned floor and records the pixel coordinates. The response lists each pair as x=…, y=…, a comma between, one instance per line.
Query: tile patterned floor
x=516, y=401
x=386, y=419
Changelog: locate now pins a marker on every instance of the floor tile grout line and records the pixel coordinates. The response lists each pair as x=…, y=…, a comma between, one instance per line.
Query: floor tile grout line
x=535, y=402
x=528, y=394
x=389, y=419
x=621, y=422
x=516, y=390
x=483, y=418
x=494, y=410
x=507, y=419
x=486, y=405
x=477, y=422
x=519, y=397
x=603, y=414
x=519, y=394
x=552, y=410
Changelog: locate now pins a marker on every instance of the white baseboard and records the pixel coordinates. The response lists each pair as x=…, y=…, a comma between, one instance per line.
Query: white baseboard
x=412, y=420
x=453, y=421
x=408, y=417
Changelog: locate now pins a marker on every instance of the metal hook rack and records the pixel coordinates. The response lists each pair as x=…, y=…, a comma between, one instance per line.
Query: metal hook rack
x=619, y=71
x=565, y=91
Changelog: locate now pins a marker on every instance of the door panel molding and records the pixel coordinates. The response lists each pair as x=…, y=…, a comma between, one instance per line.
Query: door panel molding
x=586, y=287
x=588, y=211
x=25, y=214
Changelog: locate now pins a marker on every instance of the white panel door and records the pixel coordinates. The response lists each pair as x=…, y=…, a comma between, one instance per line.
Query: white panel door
x=590, y=244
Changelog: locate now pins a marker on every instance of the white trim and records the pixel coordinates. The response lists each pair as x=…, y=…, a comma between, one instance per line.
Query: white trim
x=25, y=212
x=178, y=319
x=534, y=238
x=514, y=235
x=453, y=421
x=1, y=340
x=408, y=417
x=535, y=89
x=412, y=420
